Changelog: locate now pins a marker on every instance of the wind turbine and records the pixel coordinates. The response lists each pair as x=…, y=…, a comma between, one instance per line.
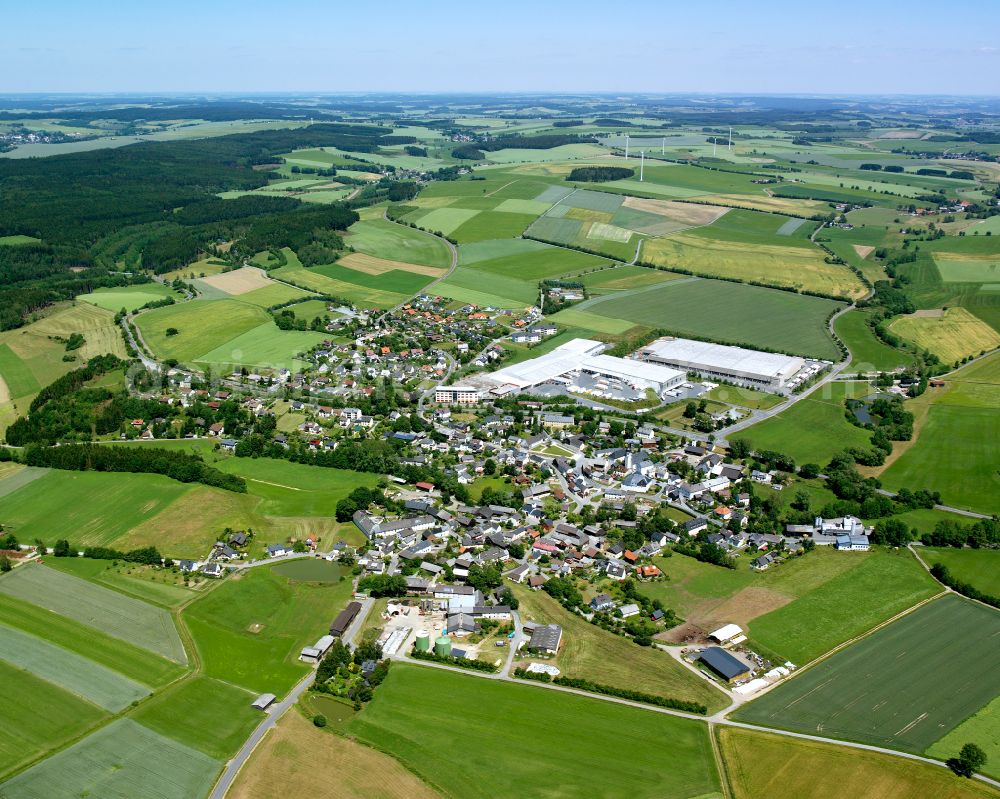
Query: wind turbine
x=663, y=145
x=642, y=163
x=730, y=137
x=715, y=141
x=626, y=147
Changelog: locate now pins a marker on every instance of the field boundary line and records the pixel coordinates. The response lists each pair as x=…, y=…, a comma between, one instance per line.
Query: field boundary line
x=720, y=761
x=504, y=186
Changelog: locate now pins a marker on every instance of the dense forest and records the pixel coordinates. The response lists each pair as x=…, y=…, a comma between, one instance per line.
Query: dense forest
x=154, y=205
x=597, y=174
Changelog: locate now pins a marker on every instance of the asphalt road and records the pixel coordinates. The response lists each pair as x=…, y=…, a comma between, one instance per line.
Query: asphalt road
x=276, y=711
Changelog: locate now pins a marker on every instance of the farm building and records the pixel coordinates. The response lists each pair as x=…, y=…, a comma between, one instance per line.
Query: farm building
x=583, y=357
x=727, y=634
x=744, y=367
x=311, y=654
x=546, y=639
x=340, y=624
x=725, y=665
x=263, y=702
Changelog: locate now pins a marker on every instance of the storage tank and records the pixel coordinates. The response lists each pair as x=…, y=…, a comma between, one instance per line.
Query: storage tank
x=423, y=642
x=442, y=646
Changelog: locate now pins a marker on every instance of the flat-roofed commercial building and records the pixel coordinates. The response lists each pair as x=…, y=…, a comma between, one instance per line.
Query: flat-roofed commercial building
x=751, y=368
x=583, y=356
x=456, y=395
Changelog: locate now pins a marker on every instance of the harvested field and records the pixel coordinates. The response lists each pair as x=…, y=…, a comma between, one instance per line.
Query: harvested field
x=777, y=767
x=239, y=281
x=863, y=250
x=297, y=759
x=688, y=214
x=110, y=612
x=371, y=265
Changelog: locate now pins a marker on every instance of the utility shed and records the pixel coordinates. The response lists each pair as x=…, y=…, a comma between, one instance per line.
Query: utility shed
x=263, y=702
x=724, y=664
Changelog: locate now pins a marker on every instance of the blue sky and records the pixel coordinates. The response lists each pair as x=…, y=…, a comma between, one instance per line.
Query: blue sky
x=768, y=46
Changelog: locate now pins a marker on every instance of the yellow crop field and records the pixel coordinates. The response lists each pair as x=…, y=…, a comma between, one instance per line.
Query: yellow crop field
x=951, y=335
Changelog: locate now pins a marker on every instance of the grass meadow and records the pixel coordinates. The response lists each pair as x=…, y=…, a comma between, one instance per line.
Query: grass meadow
x=423, y=716
x=955, y=448
x=211, y=716
x=131, y=298
x=868, y=352
x=595, y=654
x=814, y=429
x=249, y=630
x=887, y=689
x=978, y=567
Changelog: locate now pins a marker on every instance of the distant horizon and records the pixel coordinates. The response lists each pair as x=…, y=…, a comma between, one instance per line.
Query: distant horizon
x=182, y=93
x=774, y=47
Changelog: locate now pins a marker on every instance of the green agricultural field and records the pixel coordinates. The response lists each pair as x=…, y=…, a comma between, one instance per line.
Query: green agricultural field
x=962, y=267
x=275, y=294
x=469, y=284
x=14, y=241
x=310, y=570
x=955, y=449
x=295, y=489
x=489, y=250
x=394, y=242
x=123, y=759
x=814, y=429
x=265, y=345
x=487, y=225
x=424, y=715
x=82, y=677
x=887, y=689
x=200, y=325
x=32, y=356
x=131, y=298
x=595, y=654
x=625, y=278
x=592, y=321
x=249, y=630
x=97, y=508
x=14, y=476
x=728, y=312
x=978, y=567
x=139, y=665
x=208, y=715
x=395, y=280
x=846, y=606
x=546, y=262
x=159, y=586
x=779, y=767
x=108, y=611
x=868, y=352
x=746, y=397
x=446, y=220
x=37, y=717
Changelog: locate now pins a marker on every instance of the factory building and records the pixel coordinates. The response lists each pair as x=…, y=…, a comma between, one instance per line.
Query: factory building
x=582, y=357
x=456, y=395
x=751, y=368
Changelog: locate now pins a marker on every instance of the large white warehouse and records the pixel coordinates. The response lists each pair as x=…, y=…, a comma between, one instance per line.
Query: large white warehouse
x=744, y=367
x=584, y=356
